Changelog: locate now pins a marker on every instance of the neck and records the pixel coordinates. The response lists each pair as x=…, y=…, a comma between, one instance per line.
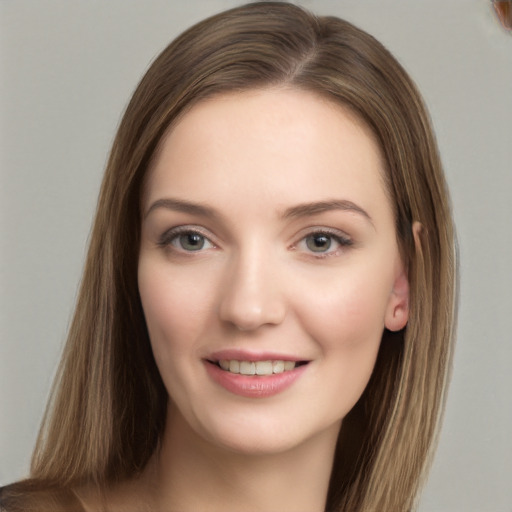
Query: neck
x=192, y=474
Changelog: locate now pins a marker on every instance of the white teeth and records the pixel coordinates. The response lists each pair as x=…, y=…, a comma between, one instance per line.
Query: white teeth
x=278, y=366
x=264, y=368
x=289, y=365
x=256, y=368
x=247, y=368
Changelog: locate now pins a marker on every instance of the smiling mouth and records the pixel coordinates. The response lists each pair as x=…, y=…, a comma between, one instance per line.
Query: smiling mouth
x=257, y=368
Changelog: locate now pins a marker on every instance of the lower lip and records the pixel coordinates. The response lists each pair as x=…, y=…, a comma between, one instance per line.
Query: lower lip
x=254, y=386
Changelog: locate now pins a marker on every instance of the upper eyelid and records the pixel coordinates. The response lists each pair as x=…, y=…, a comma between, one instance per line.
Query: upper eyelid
x=324, y=230
x=186, y=228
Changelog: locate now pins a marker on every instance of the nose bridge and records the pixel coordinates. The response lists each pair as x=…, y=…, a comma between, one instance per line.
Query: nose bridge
x=251, y=295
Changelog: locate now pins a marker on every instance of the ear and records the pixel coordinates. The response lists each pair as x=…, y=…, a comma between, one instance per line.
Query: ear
x=397, y=312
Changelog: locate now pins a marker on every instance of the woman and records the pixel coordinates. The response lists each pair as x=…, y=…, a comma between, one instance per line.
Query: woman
x=268, y=299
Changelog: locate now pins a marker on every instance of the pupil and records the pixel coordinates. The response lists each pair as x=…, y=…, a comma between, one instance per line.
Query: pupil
x=318, y=243
x=192, y=241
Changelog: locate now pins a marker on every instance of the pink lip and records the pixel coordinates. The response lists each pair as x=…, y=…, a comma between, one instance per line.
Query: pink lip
x=254, y=386
x=245, y=355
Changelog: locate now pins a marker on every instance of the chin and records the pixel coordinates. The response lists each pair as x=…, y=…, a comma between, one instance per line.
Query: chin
x=265, y=434
x=256, y=443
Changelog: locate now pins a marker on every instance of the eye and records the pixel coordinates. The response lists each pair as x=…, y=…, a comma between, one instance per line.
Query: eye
x=185, y=240
x=324, y=243
x=190, y=241
x=319, y=242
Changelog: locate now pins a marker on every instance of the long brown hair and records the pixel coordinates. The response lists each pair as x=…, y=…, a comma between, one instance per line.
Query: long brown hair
x=108, y=408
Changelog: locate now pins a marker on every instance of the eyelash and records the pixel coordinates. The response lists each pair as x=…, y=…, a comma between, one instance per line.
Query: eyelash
x=166, y=241
x=340, y=238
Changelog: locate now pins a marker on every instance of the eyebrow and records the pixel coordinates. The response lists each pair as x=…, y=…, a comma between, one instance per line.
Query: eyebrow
x=294, y=212
x=315, y=208
x=180, y=205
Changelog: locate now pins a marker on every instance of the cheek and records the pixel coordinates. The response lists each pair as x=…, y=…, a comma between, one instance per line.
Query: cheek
x=175, y=307
x=346, y=321
x=347, y=312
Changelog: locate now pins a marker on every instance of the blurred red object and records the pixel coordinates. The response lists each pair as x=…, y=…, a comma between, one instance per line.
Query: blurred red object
x=503, y=9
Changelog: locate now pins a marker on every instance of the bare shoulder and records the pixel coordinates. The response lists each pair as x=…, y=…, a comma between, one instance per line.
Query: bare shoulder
x=29, y=496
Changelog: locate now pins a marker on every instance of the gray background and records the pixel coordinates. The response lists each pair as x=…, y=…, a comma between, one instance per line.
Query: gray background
x=67, y=70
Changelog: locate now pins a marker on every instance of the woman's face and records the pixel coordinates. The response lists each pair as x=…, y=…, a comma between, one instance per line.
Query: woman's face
x=268, y=247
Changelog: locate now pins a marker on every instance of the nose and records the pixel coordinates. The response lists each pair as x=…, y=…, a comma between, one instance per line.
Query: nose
x=251, y=295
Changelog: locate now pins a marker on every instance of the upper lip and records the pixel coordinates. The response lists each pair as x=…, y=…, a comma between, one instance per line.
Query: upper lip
x=248, y=355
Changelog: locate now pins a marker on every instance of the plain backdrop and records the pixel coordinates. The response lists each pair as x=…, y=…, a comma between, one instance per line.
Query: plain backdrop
x=67, y=70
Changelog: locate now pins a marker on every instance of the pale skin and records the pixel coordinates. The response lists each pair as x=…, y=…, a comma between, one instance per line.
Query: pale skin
x=267, y=233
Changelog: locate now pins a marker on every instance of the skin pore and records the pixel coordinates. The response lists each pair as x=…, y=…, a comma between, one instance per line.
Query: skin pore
x=267, y=235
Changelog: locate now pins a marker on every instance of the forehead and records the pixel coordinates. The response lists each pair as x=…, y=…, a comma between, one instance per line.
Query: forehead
x=285, y=144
